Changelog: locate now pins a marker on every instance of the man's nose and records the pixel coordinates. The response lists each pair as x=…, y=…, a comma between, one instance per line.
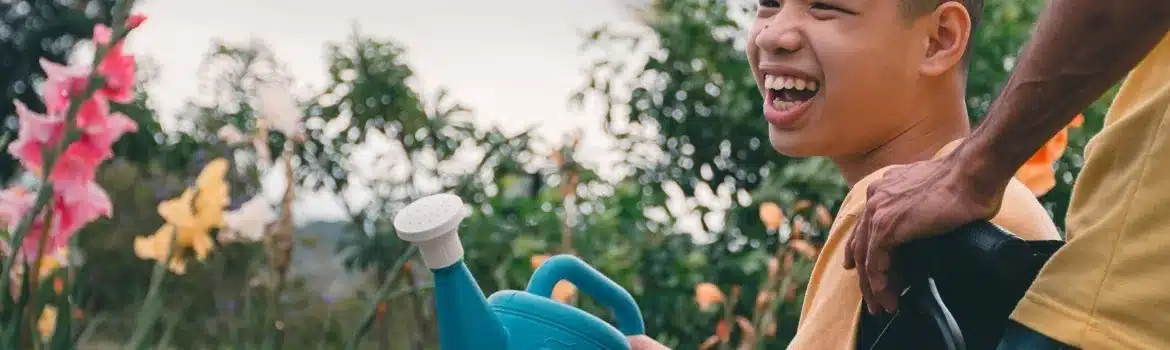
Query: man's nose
x=780, y=35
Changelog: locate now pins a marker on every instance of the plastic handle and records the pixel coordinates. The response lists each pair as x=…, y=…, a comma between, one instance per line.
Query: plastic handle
x=591, y=282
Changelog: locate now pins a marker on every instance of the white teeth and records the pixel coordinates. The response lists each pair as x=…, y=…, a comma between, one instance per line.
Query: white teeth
x=784, y=105
x=789, y=82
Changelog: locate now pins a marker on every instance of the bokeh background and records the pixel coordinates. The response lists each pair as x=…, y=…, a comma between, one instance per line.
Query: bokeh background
x=625, y=132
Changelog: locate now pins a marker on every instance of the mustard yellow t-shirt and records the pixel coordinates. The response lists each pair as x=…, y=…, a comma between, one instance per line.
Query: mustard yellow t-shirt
x=1109, y=287
x=832, y=302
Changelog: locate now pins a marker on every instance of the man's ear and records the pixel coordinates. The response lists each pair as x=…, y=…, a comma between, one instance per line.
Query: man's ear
x=947, y=40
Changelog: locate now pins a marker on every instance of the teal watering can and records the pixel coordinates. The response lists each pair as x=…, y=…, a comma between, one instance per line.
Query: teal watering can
x=510, y=319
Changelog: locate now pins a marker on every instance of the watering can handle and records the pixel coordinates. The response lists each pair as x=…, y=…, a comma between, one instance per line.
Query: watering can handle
x=591, y=282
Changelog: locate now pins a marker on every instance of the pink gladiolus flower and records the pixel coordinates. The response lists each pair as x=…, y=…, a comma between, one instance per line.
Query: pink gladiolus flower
x=80, y=161
x=76, y=199
x=135, y=20
x=116, y=67
x=61, y=84
x=14, y=202
x=72, y=209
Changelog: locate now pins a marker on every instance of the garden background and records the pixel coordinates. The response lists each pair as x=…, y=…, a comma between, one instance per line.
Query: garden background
x=674, y=193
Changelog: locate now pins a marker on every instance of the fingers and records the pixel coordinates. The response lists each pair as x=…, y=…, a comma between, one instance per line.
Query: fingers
x=877, y=269
x=864, y=231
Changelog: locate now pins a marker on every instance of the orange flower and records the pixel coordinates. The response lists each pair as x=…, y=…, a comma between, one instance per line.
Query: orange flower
x=536, y=260
x=771, y=215
x=564, y=291
x=724, y=333
x=707, y=295
x=1038, y=173
x=381, y=310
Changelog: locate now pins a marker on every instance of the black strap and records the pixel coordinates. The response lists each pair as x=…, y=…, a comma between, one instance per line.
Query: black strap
x=962, y=287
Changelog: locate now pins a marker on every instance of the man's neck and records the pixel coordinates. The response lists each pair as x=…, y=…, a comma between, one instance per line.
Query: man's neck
x=939, y=124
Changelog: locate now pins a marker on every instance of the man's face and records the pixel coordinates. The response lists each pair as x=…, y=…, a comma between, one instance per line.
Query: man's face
x=837, y=75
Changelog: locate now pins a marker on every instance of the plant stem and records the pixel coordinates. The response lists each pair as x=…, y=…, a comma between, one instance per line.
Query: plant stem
x=383, y=293
x=147, y=315
x=34, y=272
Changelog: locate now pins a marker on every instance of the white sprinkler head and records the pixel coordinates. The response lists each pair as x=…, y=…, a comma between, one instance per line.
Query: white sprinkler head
x=433, y=223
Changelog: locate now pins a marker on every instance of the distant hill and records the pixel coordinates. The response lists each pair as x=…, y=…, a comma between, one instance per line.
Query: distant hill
x=315, y=259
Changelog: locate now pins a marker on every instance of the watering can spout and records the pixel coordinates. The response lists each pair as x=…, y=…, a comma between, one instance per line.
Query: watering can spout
x=465, y=319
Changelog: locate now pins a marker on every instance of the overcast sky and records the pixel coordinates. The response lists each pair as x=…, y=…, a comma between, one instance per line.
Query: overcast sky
x=514, y=62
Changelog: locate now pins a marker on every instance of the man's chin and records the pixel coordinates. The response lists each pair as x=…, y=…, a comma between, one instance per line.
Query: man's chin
x=792, y=144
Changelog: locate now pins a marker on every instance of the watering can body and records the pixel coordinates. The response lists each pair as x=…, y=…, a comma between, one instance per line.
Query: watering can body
x=511, y=319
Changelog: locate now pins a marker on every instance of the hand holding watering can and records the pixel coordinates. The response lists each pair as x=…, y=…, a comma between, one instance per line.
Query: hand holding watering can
x=509, y=319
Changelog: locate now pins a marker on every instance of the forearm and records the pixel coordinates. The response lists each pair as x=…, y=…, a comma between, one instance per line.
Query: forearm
x=1079, y=49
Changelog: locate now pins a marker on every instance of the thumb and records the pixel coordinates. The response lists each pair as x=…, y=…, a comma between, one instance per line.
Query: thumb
x=642, y=342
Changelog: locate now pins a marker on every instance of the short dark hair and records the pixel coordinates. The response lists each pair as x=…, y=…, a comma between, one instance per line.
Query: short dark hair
x=916, y=8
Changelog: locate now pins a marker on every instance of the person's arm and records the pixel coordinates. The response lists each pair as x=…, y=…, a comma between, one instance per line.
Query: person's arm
x=1080, y=48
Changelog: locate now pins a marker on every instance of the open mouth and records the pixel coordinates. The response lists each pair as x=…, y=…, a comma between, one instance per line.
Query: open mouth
x=788, y=92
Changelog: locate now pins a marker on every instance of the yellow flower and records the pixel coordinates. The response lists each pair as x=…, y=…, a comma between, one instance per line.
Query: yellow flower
x=53, y=262
x=191, y=216
x=48, y=322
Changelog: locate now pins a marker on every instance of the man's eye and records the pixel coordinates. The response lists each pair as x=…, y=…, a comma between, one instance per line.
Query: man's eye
x=769, y=3
x=817, y=5
x=824, y=6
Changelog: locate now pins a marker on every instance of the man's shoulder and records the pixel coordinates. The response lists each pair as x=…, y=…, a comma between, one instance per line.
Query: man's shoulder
x=1020, y=212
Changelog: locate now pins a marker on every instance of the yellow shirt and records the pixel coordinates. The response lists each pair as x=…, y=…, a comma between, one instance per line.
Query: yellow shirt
x=832, y=302
x=1109, y=287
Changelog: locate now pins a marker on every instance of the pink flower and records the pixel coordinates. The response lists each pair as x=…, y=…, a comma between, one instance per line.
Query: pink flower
x=117, y=67
x=135, y=20
x=14, y=202
x=80, y=161
x=73, y=208
x=76, y=199
x=61, y=84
